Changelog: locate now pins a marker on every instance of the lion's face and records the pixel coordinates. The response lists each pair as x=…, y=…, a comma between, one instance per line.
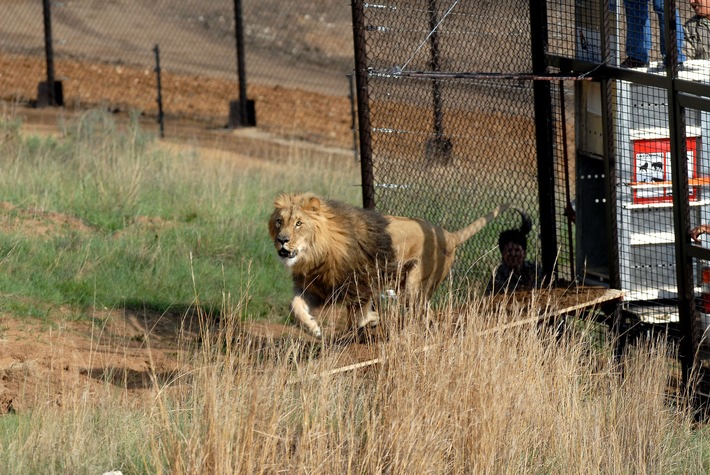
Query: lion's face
x=291, y=228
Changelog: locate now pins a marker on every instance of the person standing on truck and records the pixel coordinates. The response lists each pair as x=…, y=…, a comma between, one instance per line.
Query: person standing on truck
x=697, y=30
x=638, y=33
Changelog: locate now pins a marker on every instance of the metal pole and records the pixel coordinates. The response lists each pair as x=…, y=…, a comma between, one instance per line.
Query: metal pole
x=608, y=123
x=568, y=192
x=435, y=85
x=607, y=29
x=353, y=119
x=160, y=95
x=681, y=206
x=49, y=52
x=363, y=104
x=543, y=139
x=241, y=66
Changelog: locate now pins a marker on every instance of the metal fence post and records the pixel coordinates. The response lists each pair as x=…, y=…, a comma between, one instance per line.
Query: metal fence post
x=156, y=50
x=543, y=138
x=438, y=149
x=363, y=104
x=353, y=117
x=241, y=112
x=49, y=93
x=681, y=207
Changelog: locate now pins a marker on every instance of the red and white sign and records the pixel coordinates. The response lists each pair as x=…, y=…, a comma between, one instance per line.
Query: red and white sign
x=651, y=176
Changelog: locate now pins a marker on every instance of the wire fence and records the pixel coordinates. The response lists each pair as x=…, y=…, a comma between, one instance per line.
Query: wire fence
x=298, y=58
x=453, y=116
x=451, y=137
x=459, y=104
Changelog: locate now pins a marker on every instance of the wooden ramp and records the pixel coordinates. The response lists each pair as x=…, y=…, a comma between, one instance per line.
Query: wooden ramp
x=548, y=303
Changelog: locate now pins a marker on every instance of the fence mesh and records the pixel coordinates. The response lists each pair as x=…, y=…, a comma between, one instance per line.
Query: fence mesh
x=298, y=56
x=449, y=149
x=452, y=110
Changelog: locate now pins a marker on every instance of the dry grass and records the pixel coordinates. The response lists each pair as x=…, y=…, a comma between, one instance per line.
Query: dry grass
x=450, y=400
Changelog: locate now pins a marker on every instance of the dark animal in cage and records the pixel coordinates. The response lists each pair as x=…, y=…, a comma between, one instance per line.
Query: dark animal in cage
x=657, y=166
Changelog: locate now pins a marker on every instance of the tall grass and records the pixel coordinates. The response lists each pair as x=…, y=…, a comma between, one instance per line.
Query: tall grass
x=174, y=229
x=465, y=401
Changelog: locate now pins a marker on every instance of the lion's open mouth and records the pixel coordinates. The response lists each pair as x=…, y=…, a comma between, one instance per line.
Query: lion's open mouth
x=285, y=254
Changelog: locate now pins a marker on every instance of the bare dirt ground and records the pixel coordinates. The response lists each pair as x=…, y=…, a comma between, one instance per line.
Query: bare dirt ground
x=202, y=102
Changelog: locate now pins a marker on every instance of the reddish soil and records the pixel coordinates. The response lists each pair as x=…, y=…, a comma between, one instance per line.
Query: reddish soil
x=288, y=112
x=119, y=353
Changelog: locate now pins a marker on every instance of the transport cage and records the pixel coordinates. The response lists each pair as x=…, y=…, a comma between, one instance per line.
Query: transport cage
x=640, y=134
x=644, y=204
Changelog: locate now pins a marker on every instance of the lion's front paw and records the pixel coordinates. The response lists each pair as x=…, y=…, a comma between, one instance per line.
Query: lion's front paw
x=316, y=332
x=370, y=319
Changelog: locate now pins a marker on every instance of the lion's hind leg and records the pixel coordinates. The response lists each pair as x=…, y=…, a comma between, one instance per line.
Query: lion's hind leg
x=411, y=276
x=416, y=300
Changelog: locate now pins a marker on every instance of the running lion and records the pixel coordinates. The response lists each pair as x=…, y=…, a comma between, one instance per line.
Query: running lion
x=338, y=253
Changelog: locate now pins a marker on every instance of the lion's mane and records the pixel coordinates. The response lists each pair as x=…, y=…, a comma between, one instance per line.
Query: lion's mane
x=347, y=247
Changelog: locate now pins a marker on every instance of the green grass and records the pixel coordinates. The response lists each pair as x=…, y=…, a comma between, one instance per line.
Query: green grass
x=138, y=225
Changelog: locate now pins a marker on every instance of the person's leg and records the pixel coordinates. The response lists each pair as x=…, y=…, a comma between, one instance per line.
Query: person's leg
x=638, y=30
x=680, y=34
x=680, y=38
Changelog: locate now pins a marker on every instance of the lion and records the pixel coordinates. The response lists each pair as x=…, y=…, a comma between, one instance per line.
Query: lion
x=339, y=253
x=334, y=251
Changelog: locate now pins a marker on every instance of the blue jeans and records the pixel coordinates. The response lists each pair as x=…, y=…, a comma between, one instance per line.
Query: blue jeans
x=638, y=30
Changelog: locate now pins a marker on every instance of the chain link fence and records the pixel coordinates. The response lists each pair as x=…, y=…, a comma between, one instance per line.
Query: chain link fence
x=452, y=119
x=298, y=58
x=470, y=104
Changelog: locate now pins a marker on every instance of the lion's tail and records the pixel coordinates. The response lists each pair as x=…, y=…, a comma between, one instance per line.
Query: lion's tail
x=469, y=231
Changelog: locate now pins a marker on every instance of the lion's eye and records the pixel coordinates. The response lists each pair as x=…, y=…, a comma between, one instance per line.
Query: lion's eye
x=298, y=224
x=278, y=223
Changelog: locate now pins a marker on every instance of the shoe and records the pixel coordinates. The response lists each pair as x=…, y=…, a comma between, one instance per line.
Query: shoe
x=633, y=63
x=681, y=65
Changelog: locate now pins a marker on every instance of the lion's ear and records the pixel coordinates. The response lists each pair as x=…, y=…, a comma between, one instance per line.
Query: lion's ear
x=314, y=203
